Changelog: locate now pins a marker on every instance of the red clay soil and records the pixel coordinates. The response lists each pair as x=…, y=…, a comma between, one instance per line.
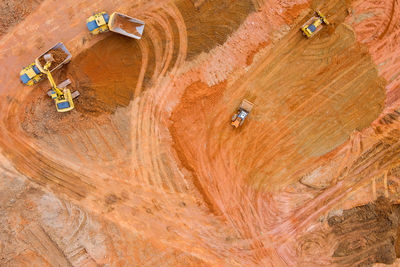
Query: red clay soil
x=146, y=170
x=377, y=25
x=14, y=11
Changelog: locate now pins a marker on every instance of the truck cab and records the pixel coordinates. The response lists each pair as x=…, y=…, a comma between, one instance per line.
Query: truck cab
x=31, y=75
x=98, y=23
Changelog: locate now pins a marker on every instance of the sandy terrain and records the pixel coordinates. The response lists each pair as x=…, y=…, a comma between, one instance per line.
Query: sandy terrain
x=147, y=171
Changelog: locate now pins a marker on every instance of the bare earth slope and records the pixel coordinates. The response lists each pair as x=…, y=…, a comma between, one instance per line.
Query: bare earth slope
x=146, y=170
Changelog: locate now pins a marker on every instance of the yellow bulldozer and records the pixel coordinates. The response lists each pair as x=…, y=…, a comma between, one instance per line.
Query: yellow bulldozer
x=314, y=24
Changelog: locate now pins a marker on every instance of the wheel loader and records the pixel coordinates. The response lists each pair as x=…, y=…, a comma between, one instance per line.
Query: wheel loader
x=117, y=22
x=314, y=24
x=242, y=113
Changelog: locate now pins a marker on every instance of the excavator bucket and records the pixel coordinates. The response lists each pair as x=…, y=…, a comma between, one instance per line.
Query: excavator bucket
x=31, y=75
x=126, y=25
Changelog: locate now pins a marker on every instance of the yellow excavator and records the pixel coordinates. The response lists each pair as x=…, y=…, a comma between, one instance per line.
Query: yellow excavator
x=60, y=94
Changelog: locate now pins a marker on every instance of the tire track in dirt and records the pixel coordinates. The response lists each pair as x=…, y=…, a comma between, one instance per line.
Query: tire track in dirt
x=218, y=136
x=376, y=24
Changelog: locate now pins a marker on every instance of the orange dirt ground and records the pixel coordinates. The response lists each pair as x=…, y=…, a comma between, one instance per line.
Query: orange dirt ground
x=147, y=171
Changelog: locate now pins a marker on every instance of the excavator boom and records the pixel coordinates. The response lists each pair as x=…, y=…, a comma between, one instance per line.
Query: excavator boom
x=62, y=99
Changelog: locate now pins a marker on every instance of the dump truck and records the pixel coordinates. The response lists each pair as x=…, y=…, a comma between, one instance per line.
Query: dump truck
x=242, y=113
x=117, y=22
x=314, y=24
x=34, y=73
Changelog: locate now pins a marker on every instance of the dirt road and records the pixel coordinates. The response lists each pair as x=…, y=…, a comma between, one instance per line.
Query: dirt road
x=146, y=170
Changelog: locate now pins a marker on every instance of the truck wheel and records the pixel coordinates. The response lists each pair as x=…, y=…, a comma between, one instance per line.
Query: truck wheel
x=234, y=117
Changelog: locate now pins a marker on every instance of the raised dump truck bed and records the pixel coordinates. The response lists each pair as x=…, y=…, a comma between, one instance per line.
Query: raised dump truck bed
x=126, y=25
x=60, y=54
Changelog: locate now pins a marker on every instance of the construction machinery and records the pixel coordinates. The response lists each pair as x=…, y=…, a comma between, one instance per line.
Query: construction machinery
x=117, y=22
x=242, y=113
x=98, y=23
x=56, y=65
x=314, y=24
x=30, y=75
x=34, y=73
x=61, y=95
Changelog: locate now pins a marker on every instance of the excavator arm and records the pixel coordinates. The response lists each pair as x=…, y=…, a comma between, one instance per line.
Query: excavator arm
x=53, y=85
x=62, y=98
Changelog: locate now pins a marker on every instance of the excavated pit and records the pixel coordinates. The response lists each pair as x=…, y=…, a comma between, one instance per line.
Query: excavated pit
x=106, y=75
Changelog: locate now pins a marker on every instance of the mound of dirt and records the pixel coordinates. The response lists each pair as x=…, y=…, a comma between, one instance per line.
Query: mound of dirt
x=367, y=234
